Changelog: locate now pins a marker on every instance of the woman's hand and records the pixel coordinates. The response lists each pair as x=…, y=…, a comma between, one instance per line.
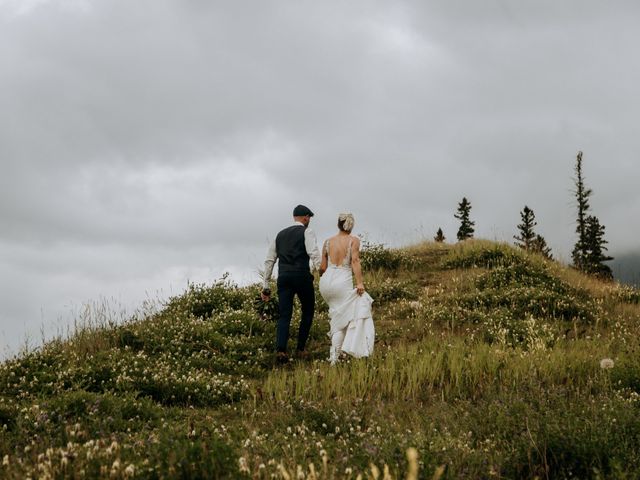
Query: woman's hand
x=360, y=288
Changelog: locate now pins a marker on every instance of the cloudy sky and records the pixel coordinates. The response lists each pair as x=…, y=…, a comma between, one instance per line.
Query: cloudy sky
x=149, y=143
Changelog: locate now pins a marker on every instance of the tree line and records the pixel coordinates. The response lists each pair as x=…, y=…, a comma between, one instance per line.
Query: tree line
x=588, y=253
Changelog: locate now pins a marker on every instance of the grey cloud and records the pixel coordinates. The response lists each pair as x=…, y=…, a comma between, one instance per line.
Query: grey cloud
x=162, y=136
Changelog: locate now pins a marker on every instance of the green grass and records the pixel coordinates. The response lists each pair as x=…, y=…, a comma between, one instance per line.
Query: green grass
x=487, y=362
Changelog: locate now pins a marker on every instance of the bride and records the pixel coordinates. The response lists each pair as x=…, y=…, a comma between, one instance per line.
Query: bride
x=352, y=328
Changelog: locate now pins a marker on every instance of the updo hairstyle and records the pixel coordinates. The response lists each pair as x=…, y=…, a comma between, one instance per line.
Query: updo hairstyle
x=345, y=222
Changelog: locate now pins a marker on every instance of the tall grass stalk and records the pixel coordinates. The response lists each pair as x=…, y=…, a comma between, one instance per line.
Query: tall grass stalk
x=444, y=369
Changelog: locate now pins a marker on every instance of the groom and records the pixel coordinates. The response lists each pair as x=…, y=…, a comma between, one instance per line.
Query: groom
x=293, y=247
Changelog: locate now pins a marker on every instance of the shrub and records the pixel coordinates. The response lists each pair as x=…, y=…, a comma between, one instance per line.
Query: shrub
x=390, y=290
x=8, y=414
x=579, y=443
x=207, y=456
x=202, y=300
x=481, y=255
x=528, y=289
x=626, y=293
x=529, y=333
x=521, y=273
x=127, y=337
x=35, y=373
x=626, y=373
x=377, y=256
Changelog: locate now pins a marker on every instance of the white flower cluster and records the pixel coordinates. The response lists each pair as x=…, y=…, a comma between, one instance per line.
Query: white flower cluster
x=606, y=363
x=348, y=220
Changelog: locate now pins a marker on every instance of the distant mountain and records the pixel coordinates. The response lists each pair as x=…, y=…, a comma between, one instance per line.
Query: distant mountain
x=626, y=268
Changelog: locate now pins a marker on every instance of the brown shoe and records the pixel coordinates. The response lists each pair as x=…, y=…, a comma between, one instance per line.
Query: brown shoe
x=282, y=358
x=302, y=355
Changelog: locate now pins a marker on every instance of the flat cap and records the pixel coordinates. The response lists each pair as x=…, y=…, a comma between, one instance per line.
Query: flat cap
x=301, y=211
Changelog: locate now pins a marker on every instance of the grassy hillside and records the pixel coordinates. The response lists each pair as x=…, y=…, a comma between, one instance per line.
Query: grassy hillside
x=487, y=365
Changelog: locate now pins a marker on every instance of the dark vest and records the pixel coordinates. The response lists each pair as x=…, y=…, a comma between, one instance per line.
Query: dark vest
x=291, y=251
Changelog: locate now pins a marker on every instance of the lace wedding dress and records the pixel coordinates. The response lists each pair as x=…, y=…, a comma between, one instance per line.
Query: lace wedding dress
x=352, y=330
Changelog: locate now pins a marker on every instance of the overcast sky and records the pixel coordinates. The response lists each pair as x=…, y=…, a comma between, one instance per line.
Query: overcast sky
x=149, y=143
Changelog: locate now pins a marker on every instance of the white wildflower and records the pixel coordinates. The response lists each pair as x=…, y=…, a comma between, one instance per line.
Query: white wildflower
x=606, y=363
x=242, y=465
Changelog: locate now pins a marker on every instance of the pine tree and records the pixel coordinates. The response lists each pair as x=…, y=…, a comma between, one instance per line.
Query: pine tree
x=588, y=253
x=539, y=245
x=527, y=236
x=439, y=236
x=595, y=248
x=582, y=200
x=528, y=239
x=466, y=225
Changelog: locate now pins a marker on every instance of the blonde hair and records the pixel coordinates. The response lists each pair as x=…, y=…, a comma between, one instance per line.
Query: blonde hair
x=346, y=222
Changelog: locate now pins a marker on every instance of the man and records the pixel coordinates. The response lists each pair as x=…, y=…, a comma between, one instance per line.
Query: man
x=293, y=248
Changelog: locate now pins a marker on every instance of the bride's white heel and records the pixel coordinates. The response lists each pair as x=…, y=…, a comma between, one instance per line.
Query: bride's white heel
x=334, y=355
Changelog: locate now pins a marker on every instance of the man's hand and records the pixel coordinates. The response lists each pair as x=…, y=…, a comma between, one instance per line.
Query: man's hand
x=266, y=294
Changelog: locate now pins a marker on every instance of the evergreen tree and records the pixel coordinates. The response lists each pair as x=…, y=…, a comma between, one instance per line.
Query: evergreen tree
x=528, y=239
x=439, y=236
x=588, y=253
x=527, y=236
x=466, y=225
x=595, y=248
x=582, y=200
x=539, y=245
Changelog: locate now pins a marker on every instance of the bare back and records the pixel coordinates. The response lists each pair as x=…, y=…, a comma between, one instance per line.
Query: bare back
x=338, y=248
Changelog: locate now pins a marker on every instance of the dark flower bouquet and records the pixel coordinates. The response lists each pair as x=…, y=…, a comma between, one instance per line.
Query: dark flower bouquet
x=267, y=311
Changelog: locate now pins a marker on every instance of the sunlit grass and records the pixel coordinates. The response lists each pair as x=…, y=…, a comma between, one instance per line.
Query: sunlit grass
x=447, y=368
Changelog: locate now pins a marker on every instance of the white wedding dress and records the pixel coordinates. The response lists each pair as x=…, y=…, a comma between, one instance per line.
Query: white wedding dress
x=352, y=330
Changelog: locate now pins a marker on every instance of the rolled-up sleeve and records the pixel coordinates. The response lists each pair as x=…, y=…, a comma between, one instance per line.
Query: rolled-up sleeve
x=269, y=263
x=311, y=245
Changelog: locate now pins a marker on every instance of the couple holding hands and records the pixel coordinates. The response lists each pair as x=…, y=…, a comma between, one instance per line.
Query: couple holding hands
x=295, y=248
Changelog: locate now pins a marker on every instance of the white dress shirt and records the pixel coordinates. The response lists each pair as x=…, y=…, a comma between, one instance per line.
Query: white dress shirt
x=310, y=244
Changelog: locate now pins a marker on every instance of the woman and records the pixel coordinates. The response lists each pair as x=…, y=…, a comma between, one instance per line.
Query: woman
x=352, y=328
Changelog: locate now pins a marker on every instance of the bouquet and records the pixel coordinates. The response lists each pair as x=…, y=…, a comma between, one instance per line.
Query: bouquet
x=267, y=311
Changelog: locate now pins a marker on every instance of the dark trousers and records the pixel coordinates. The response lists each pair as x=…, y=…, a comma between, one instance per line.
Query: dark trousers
x=289, y=285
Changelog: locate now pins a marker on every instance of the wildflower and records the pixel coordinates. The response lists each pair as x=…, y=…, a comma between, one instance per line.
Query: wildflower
x=606, y=363
x=130, y=470
x=5, y=461
x=242, y=465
